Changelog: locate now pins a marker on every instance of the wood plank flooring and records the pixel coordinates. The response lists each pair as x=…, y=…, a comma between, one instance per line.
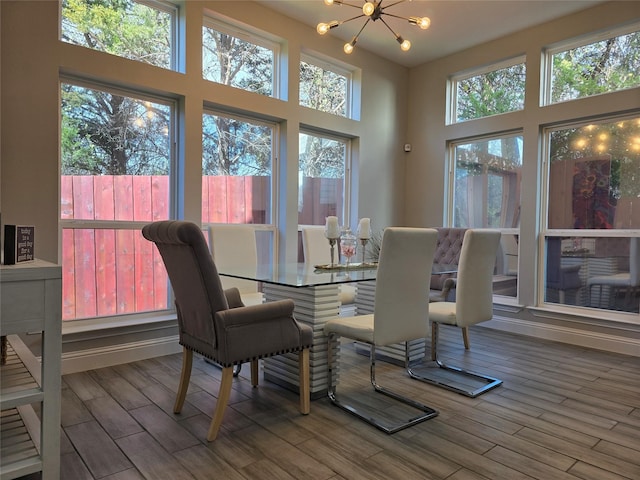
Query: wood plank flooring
x=562, y=413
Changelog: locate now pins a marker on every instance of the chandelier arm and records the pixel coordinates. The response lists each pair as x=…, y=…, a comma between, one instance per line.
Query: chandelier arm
x=396, y=16
x=352, y=18
x=390, y=29
x=359, y=7
x=361, y=29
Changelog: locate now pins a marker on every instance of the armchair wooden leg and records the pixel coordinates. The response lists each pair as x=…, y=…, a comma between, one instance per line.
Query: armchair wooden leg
x=303, y=362
x=221, y=403
x=254, y=373
x=465, y=337
x=187, y=361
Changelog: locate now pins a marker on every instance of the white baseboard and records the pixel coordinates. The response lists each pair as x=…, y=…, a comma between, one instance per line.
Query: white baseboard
x=89, y=359
x=583, y=338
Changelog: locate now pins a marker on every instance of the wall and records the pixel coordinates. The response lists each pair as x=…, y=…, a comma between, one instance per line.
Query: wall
x=426, y=165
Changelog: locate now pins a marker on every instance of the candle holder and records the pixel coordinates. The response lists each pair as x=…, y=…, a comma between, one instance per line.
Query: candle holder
x=364, y=241
x=332, y=246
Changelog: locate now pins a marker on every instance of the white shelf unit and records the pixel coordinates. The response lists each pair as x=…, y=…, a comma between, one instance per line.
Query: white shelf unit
x=30, y=301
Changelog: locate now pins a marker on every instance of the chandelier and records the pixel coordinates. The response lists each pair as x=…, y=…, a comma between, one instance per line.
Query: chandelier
x=373, y=10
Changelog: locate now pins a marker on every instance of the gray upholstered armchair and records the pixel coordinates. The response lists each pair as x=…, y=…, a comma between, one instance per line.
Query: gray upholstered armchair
x=207, y=324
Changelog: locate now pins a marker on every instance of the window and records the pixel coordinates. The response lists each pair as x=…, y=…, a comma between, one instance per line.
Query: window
x=323, y=172
x=145, y=32
x=238, y=58
x=496, y=89
x=237, y=175
x=594, y=66
x=237, y=165
x=486, y=194
x=593, y=201
x=486, y=184
x=115, y=178
x=324, y=87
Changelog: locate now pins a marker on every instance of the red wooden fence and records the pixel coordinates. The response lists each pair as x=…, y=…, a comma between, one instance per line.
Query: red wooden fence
x=114, y=272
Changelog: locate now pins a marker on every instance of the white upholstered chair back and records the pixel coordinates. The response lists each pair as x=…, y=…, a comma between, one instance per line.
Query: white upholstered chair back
x=235, y=245
x=401, y=310
x=474, y=296
x=315, y=246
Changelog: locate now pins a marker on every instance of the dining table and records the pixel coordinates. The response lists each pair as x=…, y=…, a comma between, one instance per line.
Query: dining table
x=314, y=290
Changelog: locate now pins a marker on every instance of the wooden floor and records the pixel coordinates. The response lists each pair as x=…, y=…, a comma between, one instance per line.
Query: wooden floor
x=563, y=412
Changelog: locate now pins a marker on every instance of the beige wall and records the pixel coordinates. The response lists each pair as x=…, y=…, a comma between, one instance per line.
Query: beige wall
x=31, y=64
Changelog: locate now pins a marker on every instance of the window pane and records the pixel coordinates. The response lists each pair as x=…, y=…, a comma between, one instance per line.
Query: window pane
x=323, y=89
x=594, y=177
x=110, y=272
x=605, y=66
x=321, y=179
x=121, y=27
x=596, y=272
x=232, y=61
x=236, y=170
x=487, y=183
x=499, y=91
x=115, y=156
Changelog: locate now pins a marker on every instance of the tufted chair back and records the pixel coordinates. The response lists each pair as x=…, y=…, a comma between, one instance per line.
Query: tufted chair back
x=448, y=248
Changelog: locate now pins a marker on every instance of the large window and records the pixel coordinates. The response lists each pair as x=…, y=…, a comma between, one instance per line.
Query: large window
x=115, y=177
x=496, y=89
x=323, y=172
x=486, y=194
x=593, y=214
x=142, y=31
x=237, y=175
x=594, y=66
x=239, y=58
x=324, y=87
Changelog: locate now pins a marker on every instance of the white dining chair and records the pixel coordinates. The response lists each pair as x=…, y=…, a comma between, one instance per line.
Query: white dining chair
x=401, y=312
x=234, y=245
x=473, y=304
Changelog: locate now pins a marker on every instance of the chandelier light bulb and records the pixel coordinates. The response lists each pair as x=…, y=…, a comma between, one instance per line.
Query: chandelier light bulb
x=323, y=28
x=348, y=47
x=368, y=9
x=405, y=45
x=422, y=22
x=328, y=2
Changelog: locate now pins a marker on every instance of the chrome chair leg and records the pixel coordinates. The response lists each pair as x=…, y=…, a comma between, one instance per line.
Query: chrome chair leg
x=427, y=412
x=486, y=382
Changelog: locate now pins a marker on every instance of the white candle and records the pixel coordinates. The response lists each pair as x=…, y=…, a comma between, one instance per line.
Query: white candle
x=364, y=228
x=331, y=229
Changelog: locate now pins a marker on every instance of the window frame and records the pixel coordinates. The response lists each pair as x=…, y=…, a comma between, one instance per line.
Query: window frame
x=175, y=33
x=546, y=69
x=331, y=65
x=227, y=26
x=348, y=168
x=175, y=192
x=546, y=232
x=454, y=79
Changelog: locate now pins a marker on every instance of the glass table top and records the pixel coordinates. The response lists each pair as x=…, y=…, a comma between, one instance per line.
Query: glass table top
x=305, y=275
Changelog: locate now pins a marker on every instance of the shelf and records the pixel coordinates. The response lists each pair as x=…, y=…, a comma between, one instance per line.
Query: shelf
x=19, y=440
x=31, y=302
x=19, y=424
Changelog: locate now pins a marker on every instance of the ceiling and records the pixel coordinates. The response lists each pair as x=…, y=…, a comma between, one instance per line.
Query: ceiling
x=455, y=25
